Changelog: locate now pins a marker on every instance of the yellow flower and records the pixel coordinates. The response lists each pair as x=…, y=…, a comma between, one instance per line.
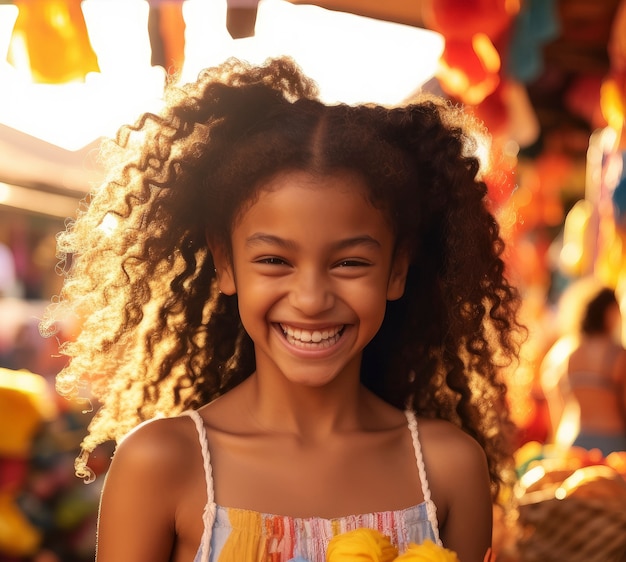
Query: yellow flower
x=361, y=545
x=428, y=551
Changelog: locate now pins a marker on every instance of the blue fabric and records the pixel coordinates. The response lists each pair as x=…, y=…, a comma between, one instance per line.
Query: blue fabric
x=606, y=443
x=536, y=24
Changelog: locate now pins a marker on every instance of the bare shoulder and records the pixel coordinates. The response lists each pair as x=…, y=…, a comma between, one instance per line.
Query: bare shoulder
x=455, y=461
x=444, y=440
x=457, y=472
x=161, y=447
x=153, y=488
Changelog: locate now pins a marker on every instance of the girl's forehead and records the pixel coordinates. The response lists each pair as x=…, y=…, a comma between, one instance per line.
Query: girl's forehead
x=300, y=200
x=346, y=182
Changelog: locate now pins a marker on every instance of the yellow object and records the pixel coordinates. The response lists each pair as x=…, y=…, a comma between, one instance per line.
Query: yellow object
x=51, y=41
x=369, y=545
x=428, y=551
x=529, y=451
x=24, y=404
x=576, y=256
x=612, y=101
x=18, y=537
x=365, y=545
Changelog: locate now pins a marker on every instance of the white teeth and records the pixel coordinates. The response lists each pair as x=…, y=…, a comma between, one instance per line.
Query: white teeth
x=315, y=338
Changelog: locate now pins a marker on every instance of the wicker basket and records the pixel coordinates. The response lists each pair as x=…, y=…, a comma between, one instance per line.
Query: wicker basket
x=573, y=529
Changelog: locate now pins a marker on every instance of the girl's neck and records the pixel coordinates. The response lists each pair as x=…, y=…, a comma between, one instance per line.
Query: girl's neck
x=304, y=411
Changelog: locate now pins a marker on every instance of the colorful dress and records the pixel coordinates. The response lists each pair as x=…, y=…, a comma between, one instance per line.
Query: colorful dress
x=240, y=535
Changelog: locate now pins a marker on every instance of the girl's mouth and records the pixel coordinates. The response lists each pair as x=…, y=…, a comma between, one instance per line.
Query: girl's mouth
x=312, y=339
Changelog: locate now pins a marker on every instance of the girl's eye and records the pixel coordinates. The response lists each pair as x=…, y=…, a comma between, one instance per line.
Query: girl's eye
x=272, y=260
x=352, y=263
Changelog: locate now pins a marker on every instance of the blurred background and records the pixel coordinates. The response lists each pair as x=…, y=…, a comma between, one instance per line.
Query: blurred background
x=547, y=77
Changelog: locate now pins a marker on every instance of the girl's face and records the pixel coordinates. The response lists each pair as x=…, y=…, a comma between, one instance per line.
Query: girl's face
x=313, y=266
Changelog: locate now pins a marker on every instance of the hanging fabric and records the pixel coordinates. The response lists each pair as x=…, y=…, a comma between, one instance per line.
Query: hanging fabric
x=51, y=42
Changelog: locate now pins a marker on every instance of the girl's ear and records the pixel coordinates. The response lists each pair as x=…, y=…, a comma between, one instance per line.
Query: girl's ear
x=223, y=270
x=397, y=277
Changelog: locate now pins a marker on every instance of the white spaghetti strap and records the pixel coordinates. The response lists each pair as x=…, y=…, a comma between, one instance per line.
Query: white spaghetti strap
x=208, y=517
x=430, y=504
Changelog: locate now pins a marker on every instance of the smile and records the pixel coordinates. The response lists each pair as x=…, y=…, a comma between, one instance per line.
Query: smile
x=310, y=339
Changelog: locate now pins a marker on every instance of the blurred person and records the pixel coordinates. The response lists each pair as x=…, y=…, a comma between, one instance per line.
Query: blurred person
x=596, y=375
x=589, y=390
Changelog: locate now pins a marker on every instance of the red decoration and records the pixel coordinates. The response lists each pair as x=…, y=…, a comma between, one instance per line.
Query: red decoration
x=471, y=63
x=583, y=99
x=493, y=111
x=462, y=19
x=469, y=69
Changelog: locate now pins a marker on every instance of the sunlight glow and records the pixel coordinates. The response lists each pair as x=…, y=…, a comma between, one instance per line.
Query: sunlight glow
x=38, y=202
x=569, y=425
x=353, y=59
x=109, y=224
x=74, y=114
x=8, y=15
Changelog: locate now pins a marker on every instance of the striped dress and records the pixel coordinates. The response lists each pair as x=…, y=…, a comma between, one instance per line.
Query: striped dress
x=240, y=535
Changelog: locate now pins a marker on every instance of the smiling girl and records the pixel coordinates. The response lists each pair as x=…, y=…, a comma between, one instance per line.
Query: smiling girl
x=306, y=306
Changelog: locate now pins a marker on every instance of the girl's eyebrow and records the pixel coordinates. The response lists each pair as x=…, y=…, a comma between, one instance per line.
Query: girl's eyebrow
x=259, y=238
x=364, y=240
x=271, y=239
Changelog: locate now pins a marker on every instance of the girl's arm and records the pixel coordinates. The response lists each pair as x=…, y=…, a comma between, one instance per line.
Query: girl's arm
x=457, y=471
x=140, y=497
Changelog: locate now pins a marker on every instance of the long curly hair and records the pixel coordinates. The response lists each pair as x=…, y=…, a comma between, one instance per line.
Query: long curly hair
x=156, y=336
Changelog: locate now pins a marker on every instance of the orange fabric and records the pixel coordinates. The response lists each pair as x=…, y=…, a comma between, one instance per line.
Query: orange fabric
x=172, y=27
x=50, y=37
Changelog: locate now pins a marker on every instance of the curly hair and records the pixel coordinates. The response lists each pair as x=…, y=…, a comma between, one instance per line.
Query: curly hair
x=157, y=337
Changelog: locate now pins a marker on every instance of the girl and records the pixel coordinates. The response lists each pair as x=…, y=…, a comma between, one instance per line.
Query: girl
x=319, y=289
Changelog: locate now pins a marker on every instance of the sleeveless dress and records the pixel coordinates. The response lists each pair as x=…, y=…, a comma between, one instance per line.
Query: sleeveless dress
x=240, y=535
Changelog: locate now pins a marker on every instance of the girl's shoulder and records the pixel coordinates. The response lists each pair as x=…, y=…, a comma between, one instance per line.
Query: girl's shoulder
x=162, y=446
x=456, y=467
x=155, y=481
x=440, y=428
x=445, y=444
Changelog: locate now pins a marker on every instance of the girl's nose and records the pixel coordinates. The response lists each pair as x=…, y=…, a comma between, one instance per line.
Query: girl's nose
x=311, y=293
